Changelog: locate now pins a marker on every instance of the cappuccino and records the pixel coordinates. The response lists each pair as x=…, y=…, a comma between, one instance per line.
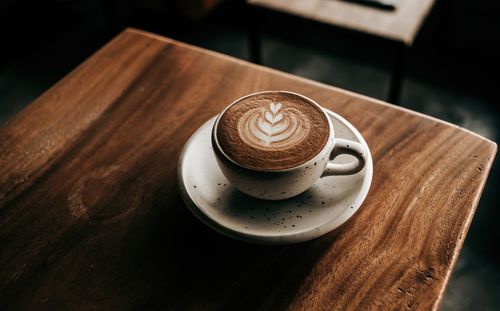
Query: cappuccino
x=272, y=131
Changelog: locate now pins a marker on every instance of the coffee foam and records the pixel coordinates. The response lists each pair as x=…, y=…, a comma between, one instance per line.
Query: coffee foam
x=274, y=127
x=272, y=131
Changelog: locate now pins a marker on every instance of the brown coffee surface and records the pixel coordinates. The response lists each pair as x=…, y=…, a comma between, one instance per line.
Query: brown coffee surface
x=272, y=131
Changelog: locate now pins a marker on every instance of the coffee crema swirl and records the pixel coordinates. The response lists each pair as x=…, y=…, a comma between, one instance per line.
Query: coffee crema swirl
x=272, y=131
x=274, y=127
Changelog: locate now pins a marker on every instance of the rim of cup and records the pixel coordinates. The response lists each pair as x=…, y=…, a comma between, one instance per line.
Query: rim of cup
x=331, y=135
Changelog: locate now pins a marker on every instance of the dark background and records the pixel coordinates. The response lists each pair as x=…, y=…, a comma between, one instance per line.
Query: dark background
x=452, y=73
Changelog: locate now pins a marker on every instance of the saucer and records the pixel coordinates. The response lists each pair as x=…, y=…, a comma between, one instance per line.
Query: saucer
x=329, y=203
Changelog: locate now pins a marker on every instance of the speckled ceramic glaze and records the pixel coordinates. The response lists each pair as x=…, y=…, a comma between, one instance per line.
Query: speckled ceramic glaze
x=326, y=205
x=287, y=183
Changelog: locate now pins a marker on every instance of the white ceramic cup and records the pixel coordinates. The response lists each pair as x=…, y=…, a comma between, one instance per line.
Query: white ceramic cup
x=286, y=183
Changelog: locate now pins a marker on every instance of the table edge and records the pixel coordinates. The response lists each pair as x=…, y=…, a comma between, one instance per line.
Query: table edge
x=465, y=228
x=309, y=81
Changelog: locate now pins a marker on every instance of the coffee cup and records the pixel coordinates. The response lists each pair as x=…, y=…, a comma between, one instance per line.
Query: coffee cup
x=274, y=145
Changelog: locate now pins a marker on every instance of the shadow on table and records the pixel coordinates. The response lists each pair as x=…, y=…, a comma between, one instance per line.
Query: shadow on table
x=192, y=266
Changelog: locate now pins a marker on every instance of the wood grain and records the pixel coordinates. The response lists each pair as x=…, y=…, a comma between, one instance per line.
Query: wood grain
x=91, y=218
x=401, y=25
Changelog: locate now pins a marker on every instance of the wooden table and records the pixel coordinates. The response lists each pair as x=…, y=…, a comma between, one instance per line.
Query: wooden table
x=91, y=217
x=399, y=27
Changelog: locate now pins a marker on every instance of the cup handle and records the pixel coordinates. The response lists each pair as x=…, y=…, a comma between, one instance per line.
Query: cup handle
x=344, y=146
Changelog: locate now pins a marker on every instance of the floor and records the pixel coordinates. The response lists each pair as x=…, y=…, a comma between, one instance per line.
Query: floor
x=452, y=88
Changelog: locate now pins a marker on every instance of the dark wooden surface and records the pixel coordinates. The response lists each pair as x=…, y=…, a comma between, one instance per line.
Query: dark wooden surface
x=91, y=218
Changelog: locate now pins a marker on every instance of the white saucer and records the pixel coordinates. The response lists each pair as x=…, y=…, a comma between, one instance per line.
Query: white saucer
x=319, y=210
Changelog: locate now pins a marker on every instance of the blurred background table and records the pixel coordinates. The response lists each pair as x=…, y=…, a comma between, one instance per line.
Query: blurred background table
x=91, y=216
x=399, y=27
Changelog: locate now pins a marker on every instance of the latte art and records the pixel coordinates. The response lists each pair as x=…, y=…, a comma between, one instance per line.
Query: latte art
x=272, y=130
x=274, y=127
